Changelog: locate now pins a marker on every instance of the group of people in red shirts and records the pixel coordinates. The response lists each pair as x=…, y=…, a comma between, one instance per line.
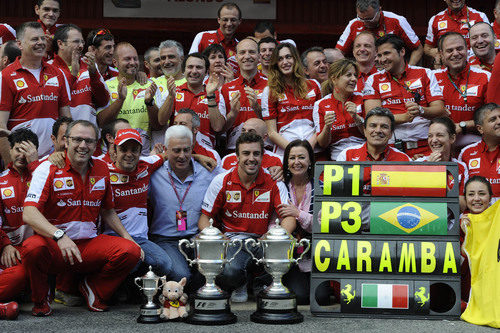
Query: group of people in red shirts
x=88, y=139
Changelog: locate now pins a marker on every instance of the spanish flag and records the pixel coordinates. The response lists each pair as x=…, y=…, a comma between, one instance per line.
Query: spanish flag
x=482, y=246
x=409, y=180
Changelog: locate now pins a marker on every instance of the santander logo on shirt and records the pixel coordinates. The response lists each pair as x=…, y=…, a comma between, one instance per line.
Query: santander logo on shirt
x=38, y=98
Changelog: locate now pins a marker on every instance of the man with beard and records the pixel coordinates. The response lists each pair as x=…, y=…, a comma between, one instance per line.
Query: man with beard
x=196, y=96
x=458, y=18
x=482, y=42
x=128, y=98
x=464, y=86
x=241, y=98
x=365, y=54
x=152, y=62
x=244, y=201
x=315, y=64
x=88, y=90
x=32, y=93
x=411, y=93
x=266, y=47
x=102, y=43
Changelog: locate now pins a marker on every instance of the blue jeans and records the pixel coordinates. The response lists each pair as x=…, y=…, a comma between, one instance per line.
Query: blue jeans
x=234, y=274
x=170, y=247
x=154, y=256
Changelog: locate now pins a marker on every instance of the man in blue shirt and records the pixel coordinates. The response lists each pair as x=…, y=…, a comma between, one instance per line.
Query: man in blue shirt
x=176, y=194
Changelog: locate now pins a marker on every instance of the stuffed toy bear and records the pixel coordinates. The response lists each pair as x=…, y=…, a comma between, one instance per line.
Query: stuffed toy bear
x=174, y=299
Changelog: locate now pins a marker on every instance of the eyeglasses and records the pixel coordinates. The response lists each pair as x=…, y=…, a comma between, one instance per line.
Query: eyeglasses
x=100, y=33
x=79, y=140
x=369, y=20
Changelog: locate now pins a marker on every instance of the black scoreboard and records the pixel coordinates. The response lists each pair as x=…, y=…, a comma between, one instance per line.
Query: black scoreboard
x=386, y=238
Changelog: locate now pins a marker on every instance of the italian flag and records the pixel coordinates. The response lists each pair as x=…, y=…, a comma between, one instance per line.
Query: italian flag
x=384, y=296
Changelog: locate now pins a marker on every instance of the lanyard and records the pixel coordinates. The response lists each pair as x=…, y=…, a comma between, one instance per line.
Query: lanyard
x=462, y=93
x=176, y=193
x=415, y=94
x=460, y=22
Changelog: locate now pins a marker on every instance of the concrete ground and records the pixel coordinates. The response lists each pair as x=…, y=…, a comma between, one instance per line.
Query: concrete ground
x=122, y=318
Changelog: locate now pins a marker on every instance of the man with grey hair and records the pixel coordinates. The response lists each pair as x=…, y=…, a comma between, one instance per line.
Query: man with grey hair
x=332, y=55
x=482, y=158
x=371, y=17
x=315, y=64
x=152, y=62
x=190, y=119
x=176, y=193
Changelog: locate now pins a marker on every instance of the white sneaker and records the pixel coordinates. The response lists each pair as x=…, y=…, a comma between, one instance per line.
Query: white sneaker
x=240, y=295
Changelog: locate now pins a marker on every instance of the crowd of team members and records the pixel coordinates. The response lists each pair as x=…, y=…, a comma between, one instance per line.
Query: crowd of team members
x=107, y=168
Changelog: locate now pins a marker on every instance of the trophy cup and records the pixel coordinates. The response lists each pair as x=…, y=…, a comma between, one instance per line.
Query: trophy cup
x=150, y=312
x=210, y=305
x=276, y=304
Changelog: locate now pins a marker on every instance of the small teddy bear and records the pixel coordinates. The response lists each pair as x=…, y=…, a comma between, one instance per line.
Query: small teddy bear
x=173, y=299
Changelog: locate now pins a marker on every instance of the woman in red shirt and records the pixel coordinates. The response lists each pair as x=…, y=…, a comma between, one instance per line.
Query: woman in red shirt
x=288, y=100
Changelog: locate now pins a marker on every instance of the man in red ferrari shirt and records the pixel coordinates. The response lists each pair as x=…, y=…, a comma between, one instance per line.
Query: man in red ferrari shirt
x=194, y=95
x=62, y=206
x=241, y=98
x=483, y=158
x=14, y=184
x=464, y=86
x=88, y=90
x=33, y=94
x=371, y=17
x=482, y=42
x=410, y=92
x=229, y=19
x=246, y=200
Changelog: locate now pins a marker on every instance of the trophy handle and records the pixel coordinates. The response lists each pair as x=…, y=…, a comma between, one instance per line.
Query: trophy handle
x=163, y=280
x=240, y=242
x=135, y=281
x=302, y=241
x=188, y=244
x=254, y=244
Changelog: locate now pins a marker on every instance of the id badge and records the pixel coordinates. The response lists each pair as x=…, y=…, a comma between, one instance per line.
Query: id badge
x=181, y=218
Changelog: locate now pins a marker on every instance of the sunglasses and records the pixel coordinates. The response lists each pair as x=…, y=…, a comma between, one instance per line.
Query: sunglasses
x=369, y=20
x=100, y=33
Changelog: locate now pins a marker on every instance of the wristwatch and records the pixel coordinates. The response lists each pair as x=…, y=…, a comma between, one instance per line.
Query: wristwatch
x=463, y=126
x=58, y=234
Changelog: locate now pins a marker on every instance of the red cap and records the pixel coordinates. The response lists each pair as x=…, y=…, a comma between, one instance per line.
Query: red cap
x=127, y=134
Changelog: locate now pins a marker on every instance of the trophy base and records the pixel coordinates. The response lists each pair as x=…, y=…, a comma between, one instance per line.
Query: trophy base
x=276, y=309
x=150, y=315
x=211, y=310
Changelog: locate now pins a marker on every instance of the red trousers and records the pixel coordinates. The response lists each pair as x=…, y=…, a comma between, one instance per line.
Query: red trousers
x=106, y=261
x=13, y=281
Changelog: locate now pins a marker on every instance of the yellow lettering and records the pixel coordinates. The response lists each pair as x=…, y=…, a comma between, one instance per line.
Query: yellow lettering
x=385, y=259
x=363, y=254
x=329, y=211
x=322, y=266
x=449, y=259
x=354, y=215
x=428, y=262
x=407, y=258
x=343, y=259
x=331, y=174
x=354, y=171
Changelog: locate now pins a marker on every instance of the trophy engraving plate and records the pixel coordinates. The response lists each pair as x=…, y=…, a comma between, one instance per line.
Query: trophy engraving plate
x=206, y=304
x=278, y=304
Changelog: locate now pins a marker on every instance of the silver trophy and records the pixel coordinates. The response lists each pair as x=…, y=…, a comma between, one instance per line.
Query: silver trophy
x=210, y=305
x=150, y=312
x=276, y=304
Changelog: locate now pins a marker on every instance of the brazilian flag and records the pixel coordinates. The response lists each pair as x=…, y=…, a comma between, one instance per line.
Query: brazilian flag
x=397, y=218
